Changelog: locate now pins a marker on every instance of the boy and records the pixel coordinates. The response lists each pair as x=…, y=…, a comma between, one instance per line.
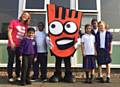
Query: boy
x=27, y=52
x=40, y=38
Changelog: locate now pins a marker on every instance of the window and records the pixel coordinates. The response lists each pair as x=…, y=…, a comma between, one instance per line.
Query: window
x=8, y=11
x=64, y=3
x=87, y=4
x=35, y=5
x=86, y=19
x=37, y=18
x=90, y=9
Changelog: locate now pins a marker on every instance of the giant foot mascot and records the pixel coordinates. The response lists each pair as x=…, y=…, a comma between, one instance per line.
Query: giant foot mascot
x=63, y=32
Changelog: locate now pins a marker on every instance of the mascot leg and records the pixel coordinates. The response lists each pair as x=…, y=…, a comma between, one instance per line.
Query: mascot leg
x=68, y=71
x=57, y=77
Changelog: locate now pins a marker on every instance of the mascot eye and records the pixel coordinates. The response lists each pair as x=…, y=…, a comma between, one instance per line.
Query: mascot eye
x=70, y=27
x=56, y=28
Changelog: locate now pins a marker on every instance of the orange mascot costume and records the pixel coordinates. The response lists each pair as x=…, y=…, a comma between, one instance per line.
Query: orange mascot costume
x=63, y=32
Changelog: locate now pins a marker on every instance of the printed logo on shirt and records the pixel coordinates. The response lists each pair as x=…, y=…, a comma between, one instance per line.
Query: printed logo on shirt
x=21, y=32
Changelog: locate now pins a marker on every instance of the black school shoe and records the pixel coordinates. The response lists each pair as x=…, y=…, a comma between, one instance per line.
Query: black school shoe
x=43, y=79
x=55, y=79
x=22, y=83
x=70, y=79
x=101, y=80
x=107, y=80
x=88, y=80
x=28, y=82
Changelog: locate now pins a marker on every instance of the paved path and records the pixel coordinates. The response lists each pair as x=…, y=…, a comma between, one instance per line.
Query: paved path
x=80, y=83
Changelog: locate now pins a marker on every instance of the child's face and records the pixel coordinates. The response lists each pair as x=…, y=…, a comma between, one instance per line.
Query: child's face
x=101, y=26
x=40, y=27
x=25, y=16
x=95, y=24
x=88, y=29
x=31, y=34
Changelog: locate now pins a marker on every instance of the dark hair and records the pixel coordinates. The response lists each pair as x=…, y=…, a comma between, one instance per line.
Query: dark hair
x=93, y=20
x=87, y=25
x=31, y=29
x=41, y=23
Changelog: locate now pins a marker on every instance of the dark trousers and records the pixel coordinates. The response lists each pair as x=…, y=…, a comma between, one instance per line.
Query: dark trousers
x=42, y=61
x=26, y=67
x=12, y=53
x=67, y=62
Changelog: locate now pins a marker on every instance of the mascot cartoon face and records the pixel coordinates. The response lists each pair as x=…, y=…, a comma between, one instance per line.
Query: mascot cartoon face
x=63, y=30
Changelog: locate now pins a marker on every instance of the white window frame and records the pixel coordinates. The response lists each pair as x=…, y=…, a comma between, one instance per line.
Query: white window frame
x=94, y=12
x=45, y=6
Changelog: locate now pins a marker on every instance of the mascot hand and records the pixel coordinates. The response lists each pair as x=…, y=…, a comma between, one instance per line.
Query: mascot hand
x=48, y=40
x=77, y=45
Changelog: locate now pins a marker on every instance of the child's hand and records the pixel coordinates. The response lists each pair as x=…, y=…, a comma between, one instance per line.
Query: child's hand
x=35, y=59
x=95, y=53
x=20, y=58
x=110, y=53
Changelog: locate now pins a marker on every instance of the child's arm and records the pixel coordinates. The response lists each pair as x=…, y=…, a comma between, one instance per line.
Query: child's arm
x=82, y=48
x=21, y=48
x=95, y=50
x=110, y=52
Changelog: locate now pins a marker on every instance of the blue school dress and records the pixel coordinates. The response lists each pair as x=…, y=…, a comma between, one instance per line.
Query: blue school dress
x=103, y=53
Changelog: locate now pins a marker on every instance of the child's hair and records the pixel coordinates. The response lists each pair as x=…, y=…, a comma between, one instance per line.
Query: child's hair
x=31, y=29
x=93, y=20
x=87, y=25
x=101, y=22
x=27, y=21
x=106, y=25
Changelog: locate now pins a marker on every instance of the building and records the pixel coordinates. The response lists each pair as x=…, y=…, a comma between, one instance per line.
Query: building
x=107, y=10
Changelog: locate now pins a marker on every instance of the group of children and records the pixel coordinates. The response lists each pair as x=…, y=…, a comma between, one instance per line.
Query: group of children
x=95, y=45
x=30, y=48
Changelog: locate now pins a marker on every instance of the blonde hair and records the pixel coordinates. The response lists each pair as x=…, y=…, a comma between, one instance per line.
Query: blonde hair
x=29, y=18
x=103, y=22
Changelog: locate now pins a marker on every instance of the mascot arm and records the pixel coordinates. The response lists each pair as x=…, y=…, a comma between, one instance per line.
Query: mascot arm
x=77, y=44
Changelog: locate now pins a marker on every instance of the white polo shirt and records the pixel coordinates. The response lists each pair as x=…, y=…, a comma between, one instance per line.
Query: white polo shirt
x=88, y=40
x=102, y=39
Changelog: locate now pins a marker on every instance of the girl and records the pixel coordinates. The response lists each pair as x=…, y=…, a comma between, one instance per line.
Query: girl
x=104, y=49
x=16, y=31
x=88, y=52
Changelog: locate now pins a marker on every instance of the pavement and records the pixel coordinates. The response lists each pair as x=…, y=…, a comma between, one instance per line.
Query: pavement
x=115, y=81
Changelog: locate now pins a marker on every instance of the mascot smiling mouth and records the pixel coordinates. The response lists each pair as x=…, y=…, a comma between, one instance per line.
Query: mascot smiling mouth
x=64, y=43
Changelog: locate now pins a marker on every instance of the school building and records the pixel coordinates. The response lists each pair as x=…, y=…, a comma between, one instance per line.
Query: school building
x=107, y=10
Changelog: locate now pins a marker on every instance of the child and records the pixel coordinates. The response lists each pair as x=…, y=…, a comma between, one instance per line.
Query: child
x=94, y=31
x=94, y=24
x=27, y=52
x=104, y=49
x=41, y=59
x=88, y=52
x=16, y=31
